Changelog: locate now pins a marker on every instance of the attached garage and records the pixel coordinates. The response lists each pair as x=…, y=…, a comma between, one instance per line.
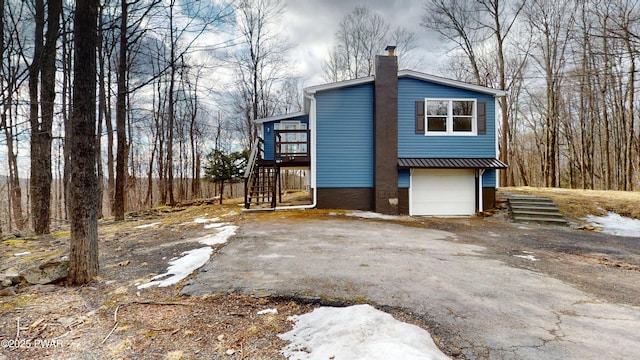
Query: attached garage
x=446, y=187
x=442, y=192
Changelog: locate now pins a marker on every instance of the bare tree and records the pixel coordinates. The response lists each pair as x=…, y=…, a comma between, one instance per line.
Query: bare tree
x=627, y=29
x=552, y=22
x=259, y=61
x=171, y=102
x=11, y=74
x=83, y=259
x=130, y=34
x=472, y=26
x=360, y=37
x=121, y=116
x=405, y=42
x=43, y=69
x=456, y=21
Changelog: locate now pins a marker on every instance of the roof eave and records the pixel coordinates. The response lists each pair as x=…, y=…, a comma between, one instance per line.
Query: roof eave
x=279, y=117
x=338, y=85
x=452, y=83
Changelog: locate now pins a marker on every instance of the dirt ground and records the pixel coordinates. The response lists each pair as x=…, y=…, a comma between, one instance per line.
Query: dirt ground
x=110, y=318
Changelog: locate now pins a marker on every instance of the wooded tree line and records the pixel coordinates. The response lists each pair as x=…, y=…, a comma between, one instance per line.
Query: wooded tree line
x=163, y=102
x=570, y=118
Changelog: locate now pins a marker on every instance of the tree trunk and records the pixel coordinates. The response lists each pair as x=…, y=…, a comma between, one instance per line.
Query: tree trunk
x=171, y=109
x=221, y=191
x=40, y=214
x=15, y=191
x=47, y=102
x=83, y=259
x=628, y=146
x=101, y=111
x=111, y=177
x=196, y=193
x=121, y=121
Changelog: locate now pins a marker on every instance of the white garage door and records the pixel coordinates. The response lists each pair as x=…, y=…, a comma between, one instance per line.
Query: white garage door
x=442, y=192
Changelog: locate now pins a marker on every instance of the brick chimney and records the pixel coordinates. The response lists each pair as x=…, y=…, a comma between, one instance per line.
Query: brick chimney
x=386, y=133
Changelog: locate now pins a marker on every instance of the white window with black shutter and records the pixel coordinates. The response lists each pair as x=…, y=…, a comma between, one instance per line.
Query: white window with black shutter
x=450, y=117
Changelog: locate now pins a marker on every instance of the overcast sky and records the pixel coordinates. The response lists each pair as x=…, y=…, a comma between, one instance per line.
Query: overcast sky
x=312, y=24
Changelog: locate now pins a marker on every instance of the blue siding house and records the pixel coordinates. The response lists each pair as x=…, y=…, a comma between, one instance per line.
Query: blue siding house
x=399, y=142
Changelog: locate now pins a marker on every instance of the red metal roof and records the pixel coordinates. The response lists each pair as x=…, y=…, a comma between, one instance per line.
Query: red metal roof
x=450, y=163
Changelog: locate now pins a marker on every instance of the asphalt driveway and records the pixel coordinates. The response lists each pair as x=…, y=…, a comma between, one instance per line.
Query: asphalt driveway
x=496, y=291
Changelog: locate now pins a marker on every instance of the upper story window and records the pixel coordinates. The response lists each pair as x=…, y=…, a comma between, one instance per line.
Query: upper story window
x=450, y=117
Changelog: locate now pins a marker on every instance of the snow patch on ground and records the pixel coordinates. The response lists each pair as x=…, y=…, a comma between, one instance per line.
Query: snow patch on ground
x=205, y=221
x=22, y=253
x=181, y=267
x=145, y=226
x=191, y=260
x=268, y=311
x=527, y=257
x=356, y=332
x=372, y=215
x=614, y=224
x=221, y=237
x=275, y=256
x=215, y=225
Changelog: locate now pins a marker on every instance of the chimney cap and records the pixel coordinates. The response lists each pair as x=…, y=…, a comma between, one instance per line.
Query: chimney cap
x=390, y=50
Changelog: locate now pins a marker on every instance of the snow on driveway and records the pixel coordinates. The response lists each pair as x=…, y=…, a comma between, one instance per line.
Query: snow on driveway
x=614, y=224
x=193, y=259
x=356, y=332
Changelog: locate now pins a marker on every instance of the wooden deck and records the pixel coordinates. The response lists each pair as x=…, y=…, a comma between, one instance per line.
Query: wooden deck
x=263, y=187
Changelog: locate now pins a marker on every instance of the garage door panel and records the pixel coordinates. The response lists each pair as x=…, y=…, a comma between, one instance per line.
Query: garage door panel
x=442, y=192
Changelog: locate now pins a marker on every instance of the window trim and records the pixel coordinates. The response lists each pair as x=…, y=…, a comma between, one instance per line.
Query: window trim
x=449, y=125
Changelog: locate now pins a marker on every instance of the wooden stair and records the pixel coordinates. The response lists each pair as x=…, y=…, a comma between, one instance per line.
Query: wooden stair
x=262, y=188
x=532, y=209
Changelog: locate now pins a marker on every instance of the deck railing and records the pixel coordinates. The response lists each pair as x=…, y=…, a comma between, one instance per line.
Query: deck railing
x=291, y=145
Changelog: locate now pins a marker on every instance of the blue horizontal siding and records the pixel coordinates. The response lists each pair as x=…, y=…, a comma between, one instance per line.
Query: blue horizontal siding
x=344, y=137
x=269, y=137
x=404, y=178
x=489, y=178
x=412, y=145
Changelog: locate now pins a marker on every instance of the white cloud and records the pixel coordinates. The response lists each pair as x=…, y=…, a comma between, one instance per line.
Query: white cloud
x=312, y=26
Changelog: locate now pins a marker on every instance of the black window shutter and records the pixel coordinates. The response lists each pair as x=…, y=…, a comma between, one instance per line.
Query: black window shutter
x=419, y=117
x=482, y=117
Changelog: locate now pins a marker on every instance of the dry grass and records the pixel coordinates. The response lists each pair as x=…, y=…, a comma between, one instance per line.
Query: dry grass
x=576, y=204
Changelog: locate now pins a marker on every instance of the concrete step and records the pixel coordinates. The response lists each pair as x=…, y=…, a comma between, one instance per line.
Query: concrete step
x=527, y=197
x=540, y=219
x=525, y=212
x=535, y=209
x=532, y=201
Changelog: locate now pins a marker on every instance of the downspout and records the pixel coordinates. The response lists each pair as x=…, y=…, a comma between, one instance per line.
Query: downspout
x=312, y=127
x=495, y=136
x=480, y=199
